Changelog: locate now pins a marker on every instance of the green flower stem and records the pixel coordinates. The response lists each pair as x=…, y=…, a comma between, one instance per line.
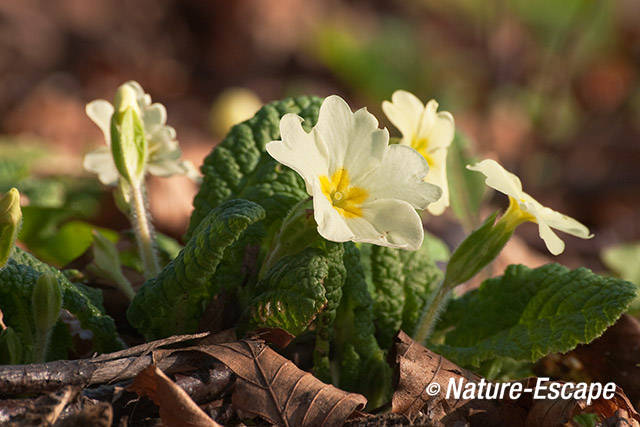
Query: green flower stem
x=430, y=315
x=480, y=248
x=144, y=233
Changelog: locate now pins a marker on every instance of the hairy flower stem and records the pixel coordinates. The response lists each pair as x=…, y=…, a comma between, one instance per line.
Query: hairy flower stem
x=430, y=315
x=144, y=233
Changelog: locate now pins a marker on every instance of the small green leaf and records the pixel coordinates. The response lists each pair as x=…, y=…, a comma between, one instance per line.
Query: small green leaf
x=173, y=302
x=46, y=301
x=586, y=420
x=106, y=263
x=528, y=313
x=17, y=280
x=466, y=189
x=11, y=350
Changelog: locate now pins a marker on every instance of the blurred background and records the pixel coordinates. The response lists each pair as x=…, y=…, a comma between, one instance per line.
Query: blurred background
x=549, y=88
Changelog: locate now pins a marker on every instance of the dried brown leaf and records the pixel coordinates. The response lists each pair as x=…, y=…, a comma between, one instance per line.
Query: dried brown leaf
x=273, y=388
x=417, y=368
x=552, y=412
x=176, y=407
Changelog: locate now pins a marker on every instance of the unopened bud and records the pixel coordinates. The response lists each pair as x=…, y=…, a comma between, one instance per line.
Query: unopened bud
x=128, y=141
x=46, y=301
x=10, y=217
x=126, y=97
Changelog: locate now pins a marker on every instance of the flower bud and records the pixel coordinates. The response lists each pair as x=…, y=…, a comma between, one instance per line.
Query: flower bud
x=46, y=301
x=128, y=141
x=478, y=250
x=10, y=217
x=125, y=98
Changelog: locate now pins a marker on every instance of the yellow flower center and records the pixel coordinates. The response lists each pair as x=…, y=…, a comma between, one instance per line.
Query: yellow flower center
x=421, y=145
x=347, y=200
x=515, y=215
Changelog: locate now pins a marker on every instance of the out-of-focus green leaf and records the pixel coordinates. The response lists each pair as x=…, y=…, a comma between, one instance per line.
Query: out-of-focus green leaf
x=624, y=261
x=466, y=188
x=54, y=243
x=364, y=62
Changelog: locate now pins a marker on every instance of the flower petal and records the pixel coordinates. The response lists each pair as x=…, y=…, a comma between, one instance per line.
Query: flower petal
x=300, y=150
x=438, y=176
x=353, y=140
x=401, y=176
x=154, y=117
x=100, y=162
x=499, y=178
x=553, y=242
x=100, y=112
x=404, y=111
x=562, y=222
x=441, y=132
x=394, y=223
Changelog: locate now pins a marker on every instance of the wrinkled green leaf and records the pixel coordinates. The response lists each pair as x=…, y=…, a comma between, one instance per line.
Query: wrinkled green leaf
x=387, y=278
x=400, y=283
x=360, y=361
x=528, y=313
x=239, y=167
x=296, y=290
x=173, y=302
x=421, y=278
x=17, y=281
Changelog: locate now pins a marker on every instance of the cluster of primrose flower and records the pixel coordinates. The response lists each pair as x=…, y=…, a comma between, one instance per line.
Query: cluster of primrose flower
x=365, y=190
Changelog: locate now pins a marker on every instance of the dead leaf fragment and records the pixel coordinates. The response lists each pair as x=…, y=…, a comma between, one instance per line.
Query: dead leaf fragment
x=176, y=407
x=273, y=388
x=553, y=412
x=417, y=368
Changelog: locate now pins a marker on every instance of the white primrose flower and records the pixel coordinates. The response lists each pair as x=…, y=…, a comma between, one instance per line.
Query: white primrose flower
x=428, y=131
x=523, y=207
x=363, y=189
x=164, y=151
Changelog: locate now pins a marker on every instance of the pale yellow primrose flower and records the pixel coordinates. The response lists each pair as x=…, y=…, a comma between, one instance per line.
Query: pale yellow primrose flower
x=523, y=207
x=428, y=131
x=363, y=189
x=164, y=151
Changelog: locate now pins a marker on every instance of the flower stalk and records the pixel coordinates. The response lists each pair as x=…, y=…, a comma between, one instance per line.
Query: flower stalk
x=145, y=236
